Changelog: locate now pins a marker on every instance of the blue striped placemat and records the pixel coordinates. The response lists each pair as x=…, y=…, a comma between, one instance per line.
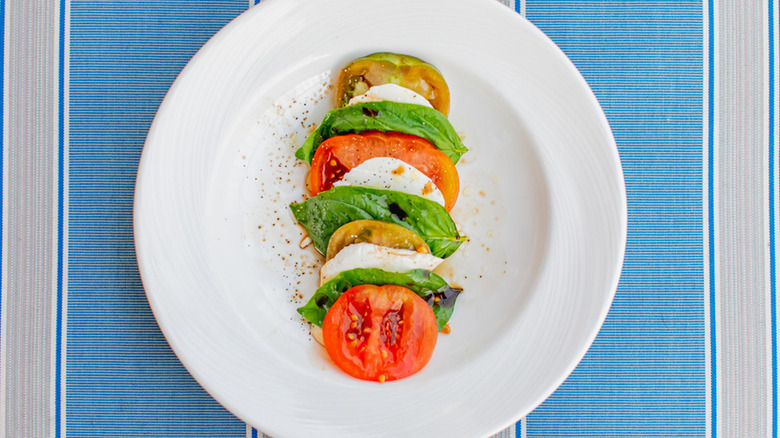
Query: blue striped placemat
x=119, y=376
x=660, y=367
x=645, y=375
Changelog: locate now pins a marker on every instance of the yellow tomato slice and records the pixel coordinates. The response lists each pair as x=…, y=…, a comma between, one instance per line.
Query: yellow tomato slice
x=391, y=68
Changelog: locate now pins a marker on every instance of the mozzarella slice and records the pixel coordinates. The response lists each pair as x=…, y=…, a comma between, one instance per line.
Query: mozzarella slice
x=392, y=174
x=391, y=92
x=368, y=255
x=316, y=333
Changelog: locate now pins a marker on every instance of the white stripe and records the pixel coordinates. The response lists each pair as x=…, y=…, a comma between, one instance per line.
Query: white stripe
x=706, y=219
x=742, y=390
x=4, y=250
x=766, y=206
x=506, y=433
x=772, y=21
x=524, y=427
x=64, y=255
x=522, y=12
x=508, y=3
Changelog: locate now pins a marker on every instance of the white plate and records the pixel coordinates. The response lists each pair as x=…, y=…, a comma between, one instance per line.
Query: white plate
x=542, y=199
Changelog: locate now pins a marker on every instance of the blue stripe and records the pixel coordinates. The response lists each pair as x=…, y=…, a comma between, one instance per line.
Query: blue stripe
x=711, y=215
x=644, y=62
x=60, y=225
x=772, y=242
x=254, y=431
x=123, y=58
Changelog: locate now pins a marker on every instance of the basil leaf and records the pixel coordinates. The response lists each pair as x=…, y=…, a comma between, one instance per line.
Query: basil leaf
x=429, y=286
x=323, y=214
x=385, y=116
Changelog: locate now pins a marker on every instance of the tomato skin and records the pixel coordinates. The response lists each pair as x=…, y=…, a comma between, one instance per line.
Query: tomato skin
x=380, y=333
x=338, y=155
x=376, y=232
x=392, y=68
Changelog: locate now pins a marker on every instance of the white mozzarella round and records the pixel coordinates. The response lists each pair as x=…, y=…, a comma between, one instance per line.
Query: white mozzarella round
x=392, y=174
x=368, y=255
x=316, y=333
x=391, y=92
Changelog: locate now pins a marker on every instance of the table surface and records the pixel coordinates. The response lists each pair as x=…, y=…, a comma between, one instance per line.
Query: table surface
x=689, y=348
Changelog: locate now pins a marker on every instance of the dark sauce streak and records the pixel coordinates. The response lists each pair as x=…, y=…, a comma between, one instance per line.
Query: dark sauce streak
x=368, y=112
x=397, y=211
x=444, y=299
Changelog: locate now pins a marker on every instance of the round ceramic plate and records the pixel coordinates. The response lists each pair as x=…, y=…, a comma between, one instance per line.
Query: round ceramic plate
x=542, y=200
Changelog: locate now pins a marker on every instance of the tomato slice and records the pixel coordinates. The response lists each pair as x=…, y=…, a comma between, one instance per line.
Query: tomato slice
x=392, y=68
x=380, y=333
x=376, y=232
x=338, y=155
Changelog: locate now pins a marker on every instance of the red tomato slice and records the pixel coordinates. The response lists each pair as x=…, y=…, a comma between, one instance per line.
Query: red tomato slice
x=338, y=155
x=380, y=333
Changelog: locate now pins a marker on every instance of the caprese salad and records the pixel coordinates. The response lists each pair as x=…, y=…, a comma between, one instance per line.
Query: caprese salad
x=383, y=180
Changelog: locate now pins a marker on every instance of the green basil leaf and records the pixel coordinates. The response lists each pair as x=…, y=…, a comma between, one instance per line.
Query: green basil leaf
x=323, y=214
x=429, y=286
x=386, y=116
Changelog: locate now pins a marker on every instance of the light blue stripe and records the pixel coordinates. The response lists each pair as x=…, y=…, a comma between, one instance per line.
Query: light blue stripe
x=122, y=377
x=711, y=214
x=772, y=201
x=644, y=61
